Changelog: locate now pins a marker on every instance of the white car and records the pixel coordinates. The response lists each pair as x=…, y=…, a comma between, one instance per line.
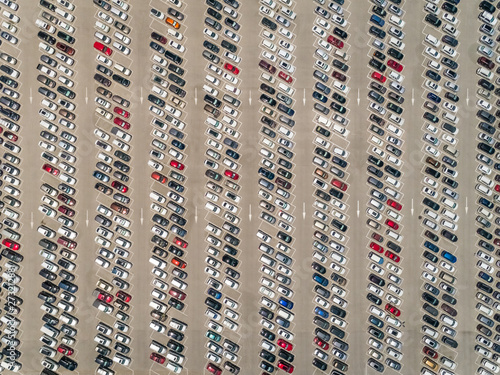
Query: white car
x=431, y=150
x=210, y=34
x=378, y=108
x=432, y=53
x=450, y=18
x=484, y=104
x=339, y=20
x=449, y=51
x=319, y=31
x=269, y=56
x=266, y=11
x=433, y=86
x=286, y=33
x=451, y=107
x=177, y=46
x=321, y=22
x=483, y=50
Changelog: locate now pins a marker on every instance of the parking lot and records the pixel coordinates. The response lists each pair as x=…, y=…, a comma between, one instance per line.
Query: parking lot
x=249, y=187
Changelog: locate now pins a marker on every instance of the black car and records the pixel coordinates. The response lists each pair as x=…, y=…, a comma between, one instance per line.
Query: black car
x=449, y=40
x=395, y=54
x=268, y=23
x=379, y=11
x=433, y=20
x=210, y=46
x=377, y=65
x=340, y=33
x=379, y=33
x=448, y=7
x=340, y=65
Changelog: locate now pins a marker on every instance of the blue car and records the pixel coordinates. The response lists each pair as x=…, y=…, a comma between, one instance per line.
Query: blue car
x=436, y=99
x=431, y=246
x=377, y=20
x=319, y=311
x=452, y=258
x=214, y=293
x=320, y=279
x=233, y=154
x=101, y=176
x=486, y=203
x=286, y=303
x=485, y=277
x=268, y=174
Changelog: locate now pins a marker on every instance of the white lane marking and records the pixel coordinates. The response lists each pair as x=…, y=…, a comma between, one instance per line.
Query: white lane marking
x=250, y=212
x=466, y=204
x=357, y=211
x=412, y=207
x=87, y=218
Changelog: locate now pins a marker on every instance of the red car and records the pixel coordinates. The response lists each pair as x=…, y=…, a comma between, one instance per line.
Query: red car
x=105, y=297
x=123, y=296
x=11, y=136
x=180, y=242
x=65, y=199
x=392, y=224
x=119, y=186
x=391, y=255
x=393, y=310
x=160, y=38
x=285, y=345
x=288, y=368
x=376, y=247
x=321, y=343
x=394, y=204
x=395, y=65
x=176, y=293
x=336, y=42
x=179, y=263
x=231, y=174
x=65, y=48
x=159, y=177
x=497, y=241
x=231, y=68
x=101, y=47
x=339, y=76
x=213, y=369
x=497, y=187
x=157, y=358
x=379, y=77
x=11, y=244
x=377, y=237
x=66, y=210
x=65, y=350
x=339, y=184
x=66, y=242
x=122, y=112
x=431, y=353
x=285, y=77
x=52, y=170
x=176, y=164
x=124, y=124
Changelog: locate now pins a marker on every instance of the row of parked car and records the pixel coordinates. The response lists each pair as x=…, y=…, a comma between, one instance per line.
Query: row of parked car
x=386, y=100
x=275, y=177
x=58, y=201
x=440, y=202
x=330, y=141
x=167, y=194
x=221, y=49
x=10, y=356
x=487, y=339
x=112, y=131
